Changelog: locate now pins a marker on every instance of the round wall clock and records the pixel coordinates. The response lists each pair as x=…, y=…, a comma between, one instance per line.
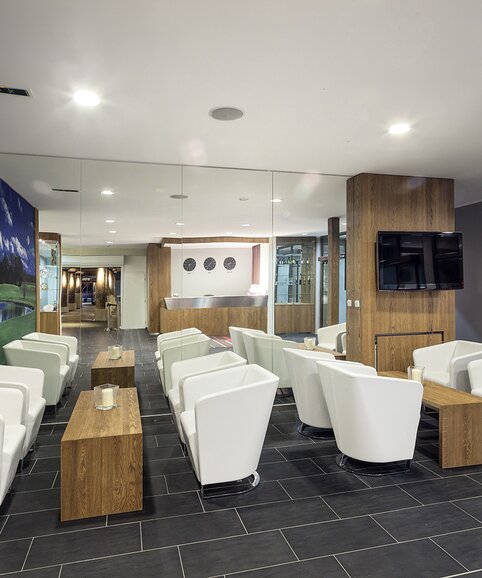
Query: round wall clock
x=209, y=263
x=229, y=263
x=189, y=264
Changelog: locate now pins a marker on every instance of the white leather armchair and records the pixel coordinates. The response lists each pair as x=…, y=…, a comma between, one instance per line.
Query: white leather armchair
x=173, y=335
x=176, y=349
x=236, y=334
x=51, y=358
x=224, y=423
x=12, y=436
x=70, y=341
x=30, y=382
x=475, y=377
x=330, y=337
x=181, y=370
x=446, y=363
x=354, y=396
x=307, y=391
x=267, y=351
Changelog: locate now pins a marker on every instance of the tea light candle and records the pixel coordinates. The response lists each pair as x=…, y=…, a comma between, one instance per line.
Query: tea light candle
x=116, y=352
x=416, y=374
x=107, y=397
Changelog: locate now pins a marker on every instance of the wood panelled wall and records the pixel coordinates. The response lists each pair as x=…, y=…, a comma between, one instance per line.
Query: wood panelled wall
x=158, y=282
x=393, y=203
x=333, y=270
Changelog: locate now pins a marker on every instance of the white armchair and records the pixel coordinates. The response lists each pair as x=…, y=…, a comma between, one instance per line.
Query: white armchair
x=225, y=423
x=70, y=341
x=31, y=383
x=51, y=358
x=176, y=349
x=446, y=363
x=173, y=335
x=354, y=396
x=330, y=337
x=236, y=334
x=267, y=351
x=181, y=370
x=475, y=377
x=12, y=436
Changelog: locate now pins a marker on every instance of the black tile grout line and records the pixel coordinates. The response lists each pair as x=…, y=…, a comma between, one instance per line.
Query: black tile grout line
x=26, y=555
x=449, y=554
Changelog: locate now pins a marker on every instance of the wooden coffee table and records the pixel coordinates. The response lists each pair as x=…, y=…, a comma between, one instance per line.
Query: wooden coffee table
x=460, y=422
x=116, y=371
x=101, y=458
x=336, y=354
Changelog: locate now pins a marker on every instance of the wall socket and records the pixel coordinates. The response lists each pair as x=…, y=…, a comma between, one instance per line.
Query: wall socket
x=357, y=303
x=348, y=302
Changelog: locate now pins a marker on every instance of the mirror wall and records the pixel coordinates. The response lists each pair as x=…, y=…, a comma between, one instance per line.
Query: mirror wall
x=247, y=231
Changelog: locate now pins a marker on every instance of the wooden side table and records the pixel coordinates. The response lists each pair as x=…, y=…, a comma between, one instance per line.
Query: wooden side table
x=116, y=371
x=101, y=458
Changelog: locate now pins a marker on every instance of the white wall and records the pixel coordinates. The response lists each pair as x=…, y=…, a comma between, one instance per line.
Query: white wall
x=217, y=282
x=133, y=305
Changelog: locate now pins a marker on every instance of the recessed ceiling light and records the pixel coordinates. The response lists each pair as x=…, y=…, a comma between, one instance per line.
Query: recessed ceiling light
x=107, y=192
x=109, y=221
x=399, y=128
x=86, y=98
x=245, y=225
x=172, y=233
x=109, y=242
x=180, y=224
x=226, y=113
x=228, y=233
x=276, y=200
x=113, y=232
x=179, y=196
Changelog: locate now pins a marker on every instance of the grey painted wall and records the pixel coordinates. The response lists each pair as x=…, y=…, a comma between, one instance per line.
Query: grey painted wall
x=469, y=300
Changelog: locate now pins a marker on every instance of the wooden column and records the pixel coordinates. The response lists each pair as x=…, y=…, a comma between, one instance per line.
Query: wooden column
x=158, y=283
x=333, y=270
x=393, y=203
x=256, y=253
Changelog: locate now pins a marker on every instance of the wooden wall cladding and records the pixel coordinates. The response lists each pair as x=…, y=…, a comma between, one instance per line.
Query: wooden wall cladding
x=333, y=270
x=294, y=317
x=393, y=203
x=215, y=321
x=158, y=282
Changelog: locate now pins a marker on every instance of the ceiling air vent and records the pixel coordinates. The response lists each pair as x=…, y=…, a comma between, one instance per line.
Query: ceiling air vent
x=65, y=190
x=14, y=91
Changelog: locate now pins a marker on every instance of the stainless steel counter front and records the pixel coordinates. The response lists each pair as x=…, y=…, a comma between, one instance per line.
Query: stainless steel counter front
x=212, y=302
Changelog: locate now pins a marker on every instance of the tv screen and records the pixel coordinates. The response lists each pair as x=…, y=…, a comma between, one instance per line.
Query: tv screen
x=419, y=261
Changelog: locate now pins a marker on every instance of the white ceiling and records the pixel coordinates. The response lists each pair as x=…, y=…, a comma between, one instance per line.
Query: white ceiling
x=320, y=82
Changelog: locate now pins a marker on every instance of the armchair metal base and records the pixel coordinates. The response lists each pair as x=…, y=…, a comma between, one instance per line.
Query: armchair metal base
x=315, y=432
x=230, y=488
x=371, y=468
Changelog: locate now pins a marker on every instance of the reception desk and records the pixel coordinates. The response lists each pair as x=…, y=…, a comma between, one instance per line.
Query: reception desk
x=213, y=314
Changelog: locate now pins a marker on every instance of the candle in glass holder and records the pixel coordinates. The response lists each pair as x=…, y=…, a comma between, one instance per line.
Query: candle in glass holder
x=309, y=343
x=107, y=397
x=415, y=373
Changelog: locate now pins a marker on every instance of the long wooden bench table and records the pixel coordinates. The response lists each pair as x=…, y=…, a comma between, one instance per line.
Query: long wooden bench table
x=460, y=422
x=101, y=458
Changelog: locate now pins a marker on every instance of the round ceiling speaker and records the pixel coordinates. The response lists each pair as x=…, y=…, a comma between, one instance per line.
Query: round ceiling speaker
x=226, y=113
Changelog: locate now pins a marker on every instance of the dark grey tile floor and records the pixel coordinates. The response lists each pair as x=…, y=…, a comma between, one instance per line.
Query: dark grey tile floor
x=306, y=519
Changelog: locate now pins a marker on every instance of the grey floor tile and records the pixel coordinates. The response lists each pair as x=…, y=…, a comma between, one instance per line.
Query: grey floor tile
x=12, y=555
x=326, y=538
x=312, y=451
x=466, y=547
x=420, y=559
x=285, y=514
x=369, y=501
x=425, y=521
x=321, y=485
x=415, y=474
x=192, y=528
x=181, y=482
x=45, y=522
x=83, y=545
x=34, y=482
x=294, y=469
x=271, y=455
x=154, y=486
x=161, y=507
x=472, y=506
x=51, y=572
x=326, y=567
x=264, y=493
x=167, y=466
x=31, y=501
x=444, y=490
x=152, y=564
x=447, y=472
x=235, y=554
x=46, y=465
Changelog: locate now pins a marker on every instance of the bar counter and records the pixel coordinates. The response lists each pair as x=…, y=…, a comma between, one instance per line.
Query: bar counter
x=213, y=314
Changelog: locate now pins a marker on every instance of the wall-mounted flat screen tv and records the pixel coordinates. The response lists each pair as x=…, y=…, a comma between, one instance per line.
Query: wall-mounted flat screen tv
x=416, y=261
